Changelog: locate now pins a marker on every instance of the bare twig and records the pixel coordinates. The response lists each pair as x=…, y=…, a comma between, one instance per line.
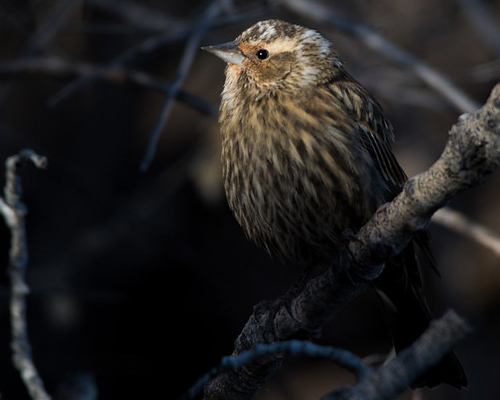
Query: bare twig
x=43, y=34
x=486, y=72
x=394, y=377
x=341, y=357
x=13, y=212
x=174, y=33
x=139, y=15
x=385, y=382
x=372, y=39
x=471, y=154
x=460, y=223
x=145, y=47
x=171, y=29
x=483, y=21
x=184, y=66
x=58, y=68
x=49, y=27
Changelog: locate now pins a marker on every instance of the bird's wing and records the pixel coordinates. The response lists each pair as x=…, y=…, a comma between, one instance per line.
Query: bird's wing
x=375, y=131
x=376, y=135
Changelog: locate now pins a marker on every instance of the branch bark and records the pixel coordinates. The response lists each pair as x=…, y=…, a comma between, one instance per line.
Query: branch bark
x=384, y=382
x=14, y=212
x=471, y=154
x=391, y=379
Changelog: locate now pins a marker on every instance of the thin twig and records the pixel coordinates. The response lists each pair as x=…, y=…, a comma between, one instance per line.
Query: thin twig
x=178, y=30
x=49, y=27
x=138, y=15
x=147, y=46
x=296, y=348
x=384, y=382
x=14, y=212
x=460, y=223
x=484, y=23
x=184, y=66
x=58, y=68
x=395, y=376
x=43, y=35
x=372, y=39
x=174, y=33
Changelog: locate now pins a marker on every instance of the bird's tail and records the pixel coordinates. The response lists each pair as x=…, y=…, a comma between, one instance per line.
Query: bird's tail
x=400, y=289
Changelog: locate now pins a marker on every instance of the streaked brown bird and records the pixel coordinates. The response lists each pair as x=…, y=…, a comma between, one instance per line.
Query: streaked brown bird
x=306, y=155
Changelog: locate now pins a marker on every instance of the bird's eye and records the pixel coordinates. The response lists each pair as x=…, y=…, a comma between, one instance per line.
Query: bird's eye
x=262, y=54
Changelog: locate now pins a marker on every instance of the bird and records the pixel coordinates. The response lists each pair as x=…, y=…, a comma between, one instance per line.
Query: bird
x=307, y=156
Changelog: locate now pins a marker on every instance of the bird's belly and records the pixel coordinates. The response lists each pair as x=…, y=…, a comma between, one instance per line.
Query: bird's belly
x=294, y=216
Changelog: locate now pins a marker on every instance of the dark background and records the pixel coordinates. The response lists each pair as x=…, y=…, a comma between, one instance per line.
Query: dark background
x=140, y=281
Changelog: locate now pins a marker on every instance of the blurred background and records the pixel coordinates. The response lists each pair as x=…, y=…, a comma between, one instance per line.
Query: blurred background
x=136, y=272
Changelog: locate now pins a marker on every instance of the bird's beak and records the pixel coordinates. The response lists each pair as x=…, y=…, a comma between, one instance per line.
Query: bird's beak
x=229, y=52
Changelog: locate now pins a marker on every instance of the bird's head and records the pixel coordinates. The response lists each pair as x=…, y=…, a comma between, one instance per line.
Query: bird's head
x=275, y=56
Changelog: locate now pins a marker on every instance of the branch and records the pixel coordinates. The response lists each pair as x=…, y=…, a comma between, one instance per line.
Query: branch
x=147, y=46
x=295, y=348
x=13, y=212
x=385, y=382
x=483, y=20
x=42, y=35
x=471, y=154
x=139, y=15
x=393, y=378
x=175, y=33
x=459, y=223
x=58, y=68
x=184, y=66
x=373, y=40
